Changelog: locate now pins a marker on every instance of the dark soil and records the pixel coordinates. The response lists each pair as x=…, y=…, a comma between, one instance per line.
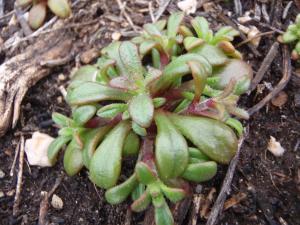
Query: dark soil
x=271, y=184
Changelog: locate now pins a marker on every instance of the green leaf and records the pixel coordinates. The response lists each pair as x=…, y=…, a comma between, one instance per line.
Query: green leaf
x=199, y=172
x=141, y=110
x=61, y=120
x=55, y=147
x=146, y=46
x=199, y=77
x=174, y=22
x=131, y=61
x=226, y=33
x=138, y=191
x=155, y=58
x=152, y=30
x=111, y=110
x=235, y=124
x=171, y=150
x=91, y=139
x=66, y=131
x=152, y=75
x=192, y=42
x=182, y=105
x=185, y=31
x=160, y=24
x=141, y=203
x=138, y=129
x=289, y=36
x=237, y=70
x=158, y=102
x=105, y=166
x=131, y=145
x=86, y=73
x=60, y=8
x=82, y=114
x=213, y=54
x=163, y=215
x=119, y=193
x=201, y=27
x=173, y=194
x=196, y=153
x=73, y=162
x=37, y=15
x=144, y=173
x=90, y=92
x=178, y=68
x=212, y=137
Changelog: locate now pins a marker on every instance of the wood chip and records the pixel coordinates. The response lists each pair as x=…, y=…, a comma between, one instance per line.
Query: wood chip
x=234, y=200
x=280, y=99
x=204, y=211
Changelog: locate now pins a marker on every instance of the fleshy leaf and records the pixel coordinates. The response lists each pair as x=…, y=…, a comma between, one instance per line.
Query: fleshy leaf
x=91, y=139
x=37, y=15
x=196, y=153
x=158, y=102
x=111, y=110
x=131, y=145
x=60, y=8
x=90, y=92
x=226, y=33
x=199, y=77
x=105, y=166
x=173, y=194
x=171, y=150
x=174, y=23
x=146, y=46
x=160, y=24
x=55, y=147
x=289, y=36
x=235, y=124
x=23, y=3
x=199, y=172
x=138, y=191
x=61, y=119
x=144, y=173
x=141, y=110
x=213, y=54
x=178, y=68
x=192, y=42
x=141, y=203
x=73, y=162
x=86, y=73
x=82, y=114
x=201, y=27
x=237, y=70
x=131, y=61
x=163, y=215
x=211, y=136
x=119, y=193
x=138, y=129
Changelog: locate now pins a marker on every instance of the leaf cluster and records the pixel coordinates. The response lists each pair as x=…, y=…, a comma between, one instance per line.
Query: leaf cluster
x=167, y=97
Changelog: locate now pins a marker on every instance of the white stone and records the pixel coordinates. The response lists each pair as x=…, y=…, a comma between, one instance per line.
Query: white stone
x=57, y=202
x=36, y=149
x=275, y=147
x=188, y=6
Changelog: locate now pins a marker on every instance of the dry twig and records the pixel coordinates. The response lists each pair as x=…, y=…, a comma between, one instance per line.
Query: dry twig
x=19, y=180
x=218, y=206
x=197, y=200
x=286, y=75
x=265, y=65
x=22, y=21
x=12, y=169
x=45, y=201
x=163, y=6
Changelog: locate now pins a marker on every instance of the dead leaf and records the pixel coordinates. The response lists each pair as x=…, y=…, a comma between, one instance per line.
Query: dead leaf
x=234, y=200
x=57, y=202
x=280, y=99
x=275, y=147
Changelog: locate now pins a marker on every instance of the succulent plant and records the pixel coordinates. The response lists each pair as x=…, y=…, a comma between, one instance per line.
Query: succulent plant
x=292, y=35
x=168, y=97
x=38, y=11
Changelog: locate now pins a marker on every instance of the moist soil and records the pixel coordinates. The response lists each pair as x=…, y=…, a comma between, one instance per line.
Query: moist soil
x=271, y=185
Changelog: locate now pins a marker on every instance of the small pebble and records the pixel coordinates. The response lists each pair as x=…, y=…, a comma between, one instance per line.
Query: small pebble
x=59, y=99
x=61, y=77
x=116, y=36
x=2, y=174
x=1, y=194
x=57, y=202
x=89, y=55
